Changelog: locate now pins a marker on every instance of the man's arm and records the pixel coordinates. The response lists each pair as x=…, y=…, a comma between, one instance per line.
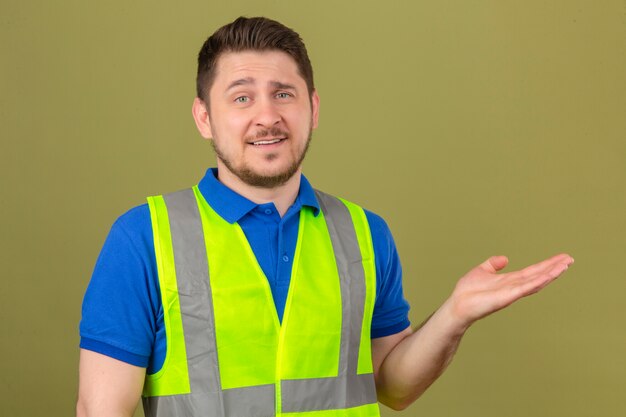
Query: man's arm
x=407, y=363
x=107, y=387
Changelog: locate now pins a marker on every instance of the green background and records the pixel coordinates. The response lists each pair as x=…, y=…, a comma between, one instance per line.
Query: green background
x=474, y=127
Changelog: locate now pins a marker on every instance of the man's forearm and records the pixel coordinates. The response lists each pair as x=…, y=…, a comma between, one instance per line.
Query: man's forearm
x=419, y=359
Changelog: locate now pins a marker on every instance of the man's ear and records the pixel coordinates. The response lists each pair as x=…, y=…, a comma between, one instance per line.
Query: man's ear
x=200, y=113
x=315, y=109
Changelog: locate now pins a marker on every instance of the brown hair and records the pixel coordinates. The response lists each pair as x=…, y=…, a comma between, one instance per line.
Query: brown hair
x=257, y=34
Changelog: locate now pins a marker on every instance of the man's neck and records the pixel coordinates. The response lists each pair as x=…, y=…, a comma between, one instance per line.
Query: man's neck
x=283, y=196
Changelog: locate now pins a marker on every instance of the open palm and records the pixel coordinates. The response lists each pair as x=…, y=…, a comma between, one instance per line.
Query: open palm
x=483, y=291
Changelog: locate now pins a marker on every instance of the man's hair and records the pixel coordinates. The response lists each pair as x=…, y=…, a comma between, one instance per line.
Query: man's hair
x=250, y=34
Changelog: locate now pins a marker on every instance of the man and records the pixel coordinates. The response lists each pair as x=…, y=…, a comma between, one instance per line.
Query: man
x=179, y=309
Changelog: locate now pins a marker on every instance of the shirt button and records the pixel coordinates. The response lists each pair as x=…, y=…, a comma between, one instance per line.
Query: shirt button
x=285, y=258
x=268, y=211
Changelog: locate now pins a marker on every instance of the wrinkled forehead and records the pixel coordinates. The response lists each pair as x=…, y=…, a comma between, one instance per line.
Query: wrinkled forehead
x=255, y=68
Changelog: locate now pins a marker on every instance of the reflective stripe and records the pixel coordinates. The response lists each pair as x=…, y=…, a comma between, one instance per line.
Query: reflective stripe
x=348, y=258
x=192, y=275
x=248, y=401
x=301, y=395
x=346, y=390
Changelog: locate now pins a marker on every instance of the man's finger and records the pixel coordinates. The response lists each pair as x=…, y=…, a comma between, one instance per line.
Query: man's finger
x=531, y=284
x=494, y=264
x=547, y=264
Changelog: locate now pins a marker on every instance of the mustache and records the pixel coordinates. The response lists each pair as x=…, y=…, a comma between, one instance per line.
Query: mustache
x=274, y=132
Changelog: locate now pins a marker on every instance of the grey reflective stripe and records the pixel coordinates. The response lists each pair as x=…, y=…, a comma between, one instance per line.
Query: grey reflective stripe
x=186, y=405
x=196, y=305
x=347, y=389
x=248, y=401
x=315, y=394
x=192, y=276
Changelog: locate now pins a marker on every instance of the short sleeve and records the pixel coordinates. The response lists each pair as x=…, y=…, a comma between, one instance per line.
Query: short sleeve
x=121, y=304
x=391, y=308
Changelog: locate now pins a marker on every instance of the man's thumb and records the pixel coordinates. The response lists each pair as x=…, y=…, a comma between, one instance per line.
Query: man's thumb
x=495, y=263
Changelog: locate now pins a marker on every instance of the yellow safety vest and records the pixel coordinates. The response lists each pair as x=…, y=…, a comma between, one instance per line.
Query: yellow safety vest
x=227, y=353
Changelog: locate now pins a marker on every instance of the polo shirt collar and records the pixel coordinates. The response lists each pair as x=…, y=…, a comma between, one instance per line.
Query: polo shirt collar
x=232, y=206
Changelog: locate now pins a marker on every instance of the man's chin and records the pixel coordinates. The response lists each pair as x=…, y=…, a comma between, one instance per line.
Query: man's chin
x=266, y=179
x=269, y=177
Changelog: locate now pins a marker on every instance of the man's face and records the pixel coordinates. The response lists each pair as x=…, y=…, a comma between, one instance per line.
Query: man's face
x=260, y=116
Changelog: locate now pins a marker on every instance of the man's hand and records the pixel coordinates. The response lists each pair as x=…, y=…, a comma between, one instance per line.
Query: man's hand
x=483, y=291
x=407, y=363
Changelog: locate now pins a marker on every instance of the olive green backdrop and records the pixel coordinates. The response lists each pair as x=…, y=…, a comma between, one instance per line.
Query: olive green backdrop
x=474, y=127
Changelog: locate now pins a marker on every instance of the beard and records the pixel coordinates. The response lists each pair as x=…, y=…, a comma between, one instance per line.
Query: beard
x=249, y=176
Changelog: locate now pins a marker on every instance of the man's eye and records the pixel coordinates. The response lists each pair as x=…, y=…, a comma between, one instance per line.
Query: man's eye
x=242, y=99
x=283, y=95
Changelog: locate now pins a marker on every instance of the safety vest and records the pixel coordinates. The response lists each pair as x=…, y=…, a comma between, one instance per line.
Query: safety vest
x=227, y=353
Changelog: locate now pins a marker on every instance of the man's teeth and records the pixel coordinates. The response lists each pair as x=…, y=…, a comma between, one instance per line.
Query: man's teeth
x=266, y=142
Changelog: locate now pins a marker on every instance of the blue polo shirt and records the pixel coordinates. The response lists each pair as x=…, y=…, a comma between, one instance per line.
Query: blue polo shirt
x=122, y=315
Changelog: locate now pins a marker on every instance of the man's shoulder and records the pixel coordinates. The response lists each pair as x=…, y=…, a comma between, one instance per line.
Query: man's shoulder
x=133, y=219
x=136, y=223
x=137, y=218
x=377, y=224
x=132, y=231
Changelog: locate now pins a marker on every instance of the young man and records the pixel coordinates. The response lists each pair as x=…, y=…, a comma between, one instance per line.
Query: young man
x=252, y=294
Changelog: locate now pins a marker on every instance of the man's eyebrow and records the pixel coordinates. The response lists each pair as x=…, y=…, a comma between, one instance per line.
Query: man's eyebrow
x=282, y=86
x=249, y=80
x=241, y=81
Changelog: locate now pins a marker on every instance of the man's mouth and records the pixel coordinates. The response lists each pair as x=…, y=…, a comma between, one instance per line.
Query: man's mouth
x=267, y=141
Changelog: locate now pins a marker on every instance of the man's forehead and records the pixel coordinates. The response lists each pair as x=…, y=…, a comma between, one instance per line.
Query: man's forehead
x=247, y=67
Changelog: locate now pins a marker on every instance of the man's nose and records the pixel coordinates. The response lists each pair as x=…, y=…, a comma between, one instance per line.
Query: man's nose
x=267, y=114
